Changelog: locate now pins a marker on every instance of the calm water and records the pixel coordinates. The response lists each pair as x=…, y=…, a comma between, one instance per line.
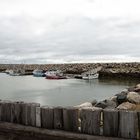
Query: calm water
x=58, y=92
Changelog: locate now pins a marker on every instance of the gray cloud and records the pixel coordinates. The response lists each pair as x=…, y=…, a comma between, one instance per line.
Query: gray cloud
x=68, y=39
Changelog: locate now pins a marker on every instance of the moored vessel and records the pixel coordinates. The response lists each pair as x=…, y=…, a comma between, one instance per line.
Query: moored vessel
x=55, y=74
x=38, y=73
x=91, y=76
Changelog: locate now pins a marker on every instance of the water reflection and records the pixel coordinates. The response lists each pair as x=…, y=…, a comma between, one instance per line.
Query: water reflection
x=119, y=81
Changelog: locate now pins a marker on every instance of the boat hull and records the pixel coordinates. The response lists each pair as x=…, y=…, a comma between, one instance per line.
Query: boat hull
x=39, y=75
x=14, y=74
x=55, y=77
x=90, y=77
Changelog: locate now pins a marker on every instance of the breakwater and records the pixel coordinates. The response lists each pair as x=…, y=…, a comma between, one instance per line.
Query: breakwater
x=82, y=121
x=131, y=70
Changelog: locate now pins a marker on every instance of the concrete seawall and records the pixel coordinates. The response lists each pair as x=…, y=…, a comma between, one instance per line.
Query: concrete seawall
x=131, y=70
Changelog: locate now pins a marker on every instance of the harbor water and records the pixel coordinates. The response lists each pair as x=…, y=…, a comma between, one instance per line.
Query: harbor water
x=66, y=92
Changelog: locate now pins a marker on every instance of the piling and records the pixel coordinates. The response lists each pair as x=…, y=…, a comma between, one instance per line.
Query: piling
x=70, y=119
x=47, y=117
x=58, y=118
x=128, y=124
x=90, y=121
x=110, y=123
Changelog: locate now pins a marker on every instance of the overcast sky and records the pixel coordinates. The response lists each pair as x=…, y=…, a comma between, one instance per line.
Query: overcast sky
x=68, y=31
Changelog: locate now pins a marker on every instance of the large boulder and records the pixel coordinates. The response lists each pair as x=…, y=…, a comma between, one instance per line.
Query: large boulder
x=113, y=98
x=137, y=90
x=133, y=97
x=126, y=106
x=131, y=89
x=106, y=104
x=121, y=97
x=137, y=107
x=138, y=86
x=94, y=102
x=125, y=91
x=86, y=104
x=101, y=104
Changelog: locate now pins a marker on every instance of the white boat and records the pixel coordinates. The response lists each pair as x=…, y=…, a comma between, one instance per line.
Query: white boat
x=13, y=73
x=90, y=76
x=7, y=71
x=55, y=74
x=17, y=72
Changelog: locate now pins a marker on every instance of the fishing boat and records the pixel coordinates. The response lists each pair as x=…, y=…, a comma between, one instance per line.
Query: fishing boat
x=56, y=77
x=55, y=74
x=91, y=76
x=7, y=71
x=13, y=73
x=38, y=73
x=17, y=72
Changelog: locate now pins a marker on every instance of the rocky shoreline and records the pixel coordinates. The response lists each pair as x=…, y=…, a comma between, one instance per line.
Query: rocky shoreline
x=115, y=70
x=128, y=99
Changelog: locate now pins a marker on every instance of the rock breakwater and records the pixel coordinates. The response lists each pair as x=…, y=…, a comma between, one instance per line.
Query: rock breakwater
x=128, y=99
x=131, y=70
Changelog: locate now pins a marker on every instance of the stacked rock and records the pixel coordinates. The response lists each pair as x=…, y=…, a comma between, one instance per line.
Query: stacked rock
x=128, y=99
